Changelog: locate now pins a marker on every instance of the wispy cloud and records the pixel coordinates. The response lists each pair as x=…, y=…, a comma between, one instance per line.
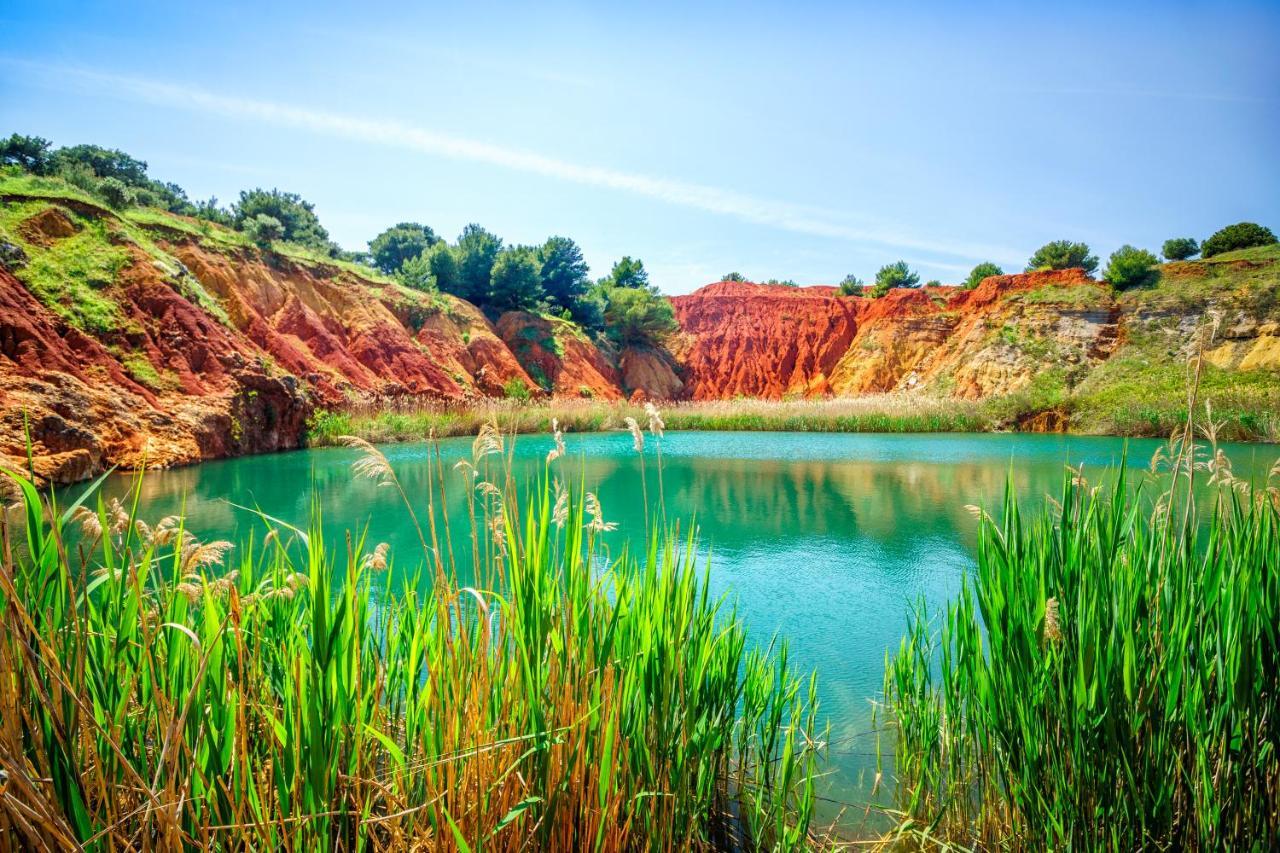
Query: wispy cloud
x=391, y=133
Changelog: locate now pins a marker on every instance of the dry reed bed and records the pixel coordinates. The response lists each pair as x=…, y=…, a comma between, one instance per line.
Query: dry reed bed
x=416, y=420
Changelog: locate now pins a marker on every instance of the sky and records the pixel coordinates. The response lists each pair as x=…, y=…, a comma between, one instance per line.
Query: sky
x=796, y=140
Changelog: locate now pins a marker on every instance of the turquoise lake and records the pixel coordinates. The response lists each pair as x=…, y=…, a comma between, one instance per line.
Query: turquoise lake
x=826, y=539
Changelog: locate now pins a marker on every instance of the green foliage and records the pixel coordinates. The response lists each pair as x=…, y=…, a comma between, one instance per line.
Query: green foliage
x=515, y=389
x=986, y=269
x=1129, y=267
x=116, y=193
x=295, y=216
x=30, y=153
x=515, y=283
x=263, y=230
x=1180, y=248
x=627, y=272
x=733, y=276
x=894, y=275
x=1062, y=255
x=851, y=285
x=416, y=273
x=563, y=272
x=639, y=316
x=1106, y=679
x=104, y=162
x=1242, y=235
x=400, y=243
x=477, y=251
x=933, y=282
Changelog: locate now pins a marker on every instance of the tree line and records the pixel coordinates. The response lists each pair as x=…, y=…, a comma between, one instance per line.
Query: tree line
x=552, y=277
x=1128, y=267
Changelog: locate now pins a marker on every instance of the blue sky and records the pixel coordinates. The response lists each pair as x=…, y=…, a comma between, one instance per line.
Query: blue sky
x=797, y=140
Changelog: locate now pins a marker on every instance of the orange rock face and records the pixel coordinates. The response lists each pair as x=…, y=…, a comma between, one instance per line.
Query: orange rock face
x=761, y=340
x=773, y=341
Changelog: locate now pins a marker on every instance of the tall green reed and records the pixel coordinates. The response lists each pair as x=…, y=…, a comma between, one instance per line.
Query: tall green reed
x=284, y=694
x=1110, y=676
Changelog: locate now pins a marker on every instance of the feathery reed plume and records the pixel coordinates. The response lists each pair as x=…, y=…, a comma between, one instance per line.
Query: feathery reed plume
x=637, y=437
x=560, y=511
x=196, y=555
x=656, y=424
x=372, y=464
x=1052, y=627
x=89, y=522
x=597, y=524
x=558, y=437
x=376, y=560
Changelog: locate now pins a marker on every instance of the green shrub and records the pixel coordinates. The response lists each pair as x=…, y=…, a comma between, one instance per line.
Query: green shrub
x=1063, y=255
x=1242, y=235
x=399, y=244
x=733, y=276
x=639, y=316
x=986, y=269
x=263, y=230
x=294, y=215
x=933, y=282
x=850, y=285
x=1129, y=267
x=894, y=275
x=1180, y=248
x=416, y=273
x=516, y=389
x=116, y=193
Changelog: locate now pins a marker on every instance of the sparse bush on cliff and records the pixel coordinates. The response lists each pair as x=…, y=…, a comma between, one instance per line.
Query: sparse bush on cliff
x=514, y=389
x=116, y=193
x=894, y=275
x=400, y=243
x=639, y=316
x=986, y=269
x=850, y=285
x=295, y=216
x=733, y=276
x=1129, y=267
x=933, y=282
x=263, y=230
x=1242, y=235
x=1180, y=248
x=416, y=273
x=1063, y=255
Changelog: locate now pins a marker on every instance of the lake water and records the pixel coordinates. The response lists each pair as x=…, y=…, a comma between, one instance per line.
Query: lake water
x=826, y=539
